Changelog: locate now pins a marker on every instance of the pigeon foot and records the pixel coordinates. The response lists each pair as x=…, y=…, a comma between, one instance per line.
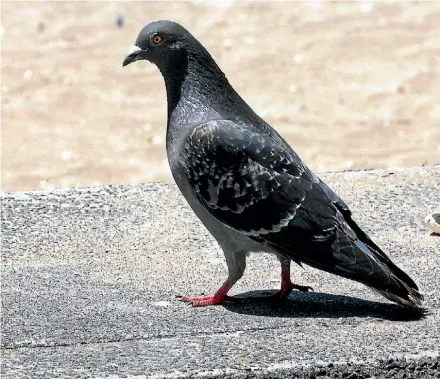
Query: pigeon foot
x=203, y=301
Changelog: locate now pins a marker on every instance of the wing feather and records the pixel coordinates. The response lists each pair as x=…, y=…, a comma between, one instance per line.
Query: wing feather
x=251, y=183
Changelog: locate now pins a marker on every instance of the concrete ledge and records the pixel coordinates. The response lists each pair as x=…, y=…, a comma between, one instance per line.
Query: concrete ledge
x=90, y=278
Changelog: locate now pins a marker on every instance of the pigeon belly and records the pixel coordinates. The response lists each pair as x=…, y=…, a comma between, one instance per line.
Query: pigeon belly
x=226, y=237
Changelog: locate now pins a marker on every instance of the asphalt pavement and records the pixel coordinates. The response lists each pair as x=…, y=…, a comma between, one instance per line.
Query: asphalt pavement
x=91, y=279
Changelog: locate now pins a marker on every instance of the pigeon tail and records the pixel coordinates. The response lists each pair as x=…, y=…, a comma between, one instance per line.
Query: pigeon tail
x=399, y=287
x=404, y=290
x=412, y=298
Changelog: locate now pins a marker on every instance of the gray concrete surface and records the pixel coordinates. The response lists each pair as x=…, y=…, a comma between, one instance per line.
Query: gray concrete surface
x=90, y=278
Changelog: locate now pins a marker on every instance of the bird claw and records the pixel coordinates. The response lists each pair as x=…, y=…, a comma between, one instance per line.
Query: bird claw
x=202, y=301
x=216, y=299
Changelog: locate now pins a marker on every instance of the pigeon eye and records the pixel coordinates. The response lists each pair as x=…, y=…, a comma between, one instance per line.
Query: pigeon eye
x=157, y=39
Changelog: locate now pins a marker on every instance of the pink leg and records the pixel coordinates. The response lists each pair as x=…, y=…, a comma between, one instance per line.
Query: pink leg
x=236, y=265
x=286, y=284
x=219, y=297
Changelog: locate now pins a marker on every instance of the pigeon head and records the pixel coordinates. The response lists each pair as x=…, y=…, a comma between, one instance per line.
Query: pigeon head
x=184, y=63
x=164, y=43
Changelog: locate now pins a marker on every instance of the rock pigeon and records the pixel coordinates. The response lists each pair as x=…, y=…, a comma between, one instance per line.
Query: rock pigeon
x=246, y=184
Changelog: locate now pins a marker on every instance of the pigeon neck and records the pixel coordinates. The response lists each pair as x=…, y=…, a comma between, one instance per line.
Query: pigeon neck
x=173, y=82
x=197, y=90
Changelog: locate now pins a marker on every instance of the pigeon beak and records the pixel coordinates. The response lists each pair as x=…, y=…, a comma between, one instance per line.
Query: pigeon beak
x=134, y=54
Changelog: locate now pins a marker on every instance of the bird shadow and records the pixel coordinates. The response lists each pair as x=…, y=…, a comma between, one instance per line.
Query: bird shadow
x=320, y=305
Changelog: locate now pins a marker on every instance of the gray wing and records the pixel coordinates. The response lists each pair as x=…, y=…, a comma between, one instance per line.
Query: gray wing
x=254, y=184
x=251, y=183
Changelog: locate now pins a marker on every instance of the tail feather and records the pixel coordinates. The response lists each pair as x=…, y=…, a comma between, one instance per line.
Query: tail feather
x=394, y=284
x=413, y=299
x=404, y=277
x=358, y=261
x=400, y=287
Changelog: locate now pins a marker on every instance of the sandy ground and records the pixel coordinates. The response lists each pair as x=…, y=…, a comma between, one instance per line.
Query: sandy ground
x=350, y=84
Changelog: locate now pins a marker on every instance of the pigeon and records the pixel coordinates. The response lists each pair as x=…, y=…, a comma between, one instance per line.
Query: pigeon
x=246, y=184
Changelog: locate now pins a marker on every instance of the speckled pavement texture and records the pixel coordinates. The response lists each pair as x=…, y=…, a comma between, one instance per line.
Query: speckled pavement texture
x=90, y=279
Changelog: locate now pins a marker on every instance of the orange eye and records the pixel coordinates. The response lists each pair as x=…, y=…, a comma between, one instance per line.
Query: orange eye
x=157, y=39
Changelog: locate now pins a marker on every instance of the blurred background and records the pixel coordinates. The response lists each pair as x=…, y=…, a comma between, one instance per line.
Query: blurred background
x=350, y=85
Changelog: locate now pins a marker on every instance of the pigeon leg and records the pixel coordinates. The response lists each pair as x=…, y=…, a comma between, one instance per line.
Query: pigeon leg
x=219, y=297
x=286, y=284
x=236, y=266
